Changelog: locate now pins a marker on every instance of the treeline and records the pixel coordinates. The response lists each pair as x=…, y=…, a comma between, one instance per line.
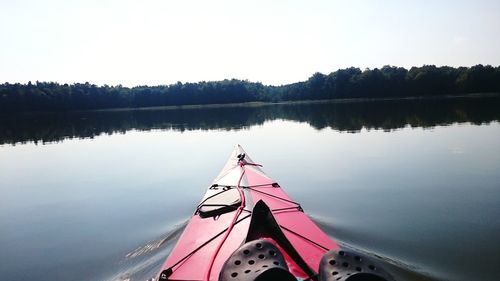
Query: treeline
x=386, y=82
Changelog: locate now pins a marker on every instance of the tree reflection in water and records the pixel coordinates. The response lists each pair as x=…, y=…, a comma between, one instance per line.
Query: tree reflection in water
x=342, y=116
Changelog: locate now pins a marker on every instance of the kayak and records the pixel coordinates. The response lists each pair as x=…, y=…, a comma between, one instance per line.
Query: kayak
x=247, y=228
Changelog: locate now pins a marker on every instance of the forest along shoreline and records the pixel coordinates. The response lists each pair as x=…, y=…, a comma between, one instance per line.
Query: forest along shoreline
x=262, y=103
x=388, y=82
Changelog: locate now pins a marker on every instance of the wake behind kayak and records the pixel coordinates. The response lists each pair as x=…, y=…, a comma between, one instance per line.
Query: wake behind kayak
x=247, y=228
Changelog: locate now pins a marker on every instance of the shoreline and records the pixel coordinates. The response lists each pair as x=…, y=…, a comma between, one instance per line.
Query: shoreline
x=261, y=103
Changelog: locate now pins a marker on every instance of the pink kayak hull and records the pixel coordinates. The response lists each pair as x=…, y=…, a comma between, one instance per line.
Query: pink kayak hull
x=193, y=256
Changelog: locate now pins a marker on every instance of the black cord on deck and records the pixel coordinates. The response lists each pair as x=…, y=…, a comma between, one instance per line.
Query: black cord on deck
x=167, y=272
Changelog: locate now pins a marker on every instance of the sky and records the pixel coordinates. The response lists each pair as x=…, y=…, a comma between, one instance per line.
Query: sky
x=152, y=42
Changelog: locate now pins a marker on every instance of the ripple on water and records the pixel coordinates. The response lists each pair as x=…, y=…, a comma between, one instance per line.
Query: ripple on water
x=144, y=262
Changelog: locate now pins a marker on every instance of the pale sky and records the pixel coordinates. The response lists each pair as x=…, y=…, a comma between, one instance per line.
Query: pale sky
x=274, y=42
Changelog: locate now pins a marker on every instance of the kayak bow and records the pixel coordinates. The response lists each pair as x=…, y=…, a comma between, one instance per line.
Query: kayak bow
x=247, y=228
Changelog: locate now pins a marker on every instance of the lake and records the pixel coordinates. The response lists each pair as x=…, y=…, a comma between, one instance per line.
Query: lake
x=104, y=195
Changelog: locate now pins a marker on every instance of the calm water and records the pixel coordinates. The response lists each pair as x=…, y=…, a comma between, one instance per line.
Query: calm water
x=104, y=195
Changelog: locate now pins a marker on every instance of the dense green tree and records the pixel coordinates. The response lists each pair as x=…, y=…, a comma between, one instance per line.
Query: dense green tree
x=386, y=82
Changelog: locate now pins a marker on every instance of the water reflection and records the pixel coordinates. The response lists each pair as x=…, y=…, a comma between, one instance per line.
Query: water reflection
x=342, y=116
